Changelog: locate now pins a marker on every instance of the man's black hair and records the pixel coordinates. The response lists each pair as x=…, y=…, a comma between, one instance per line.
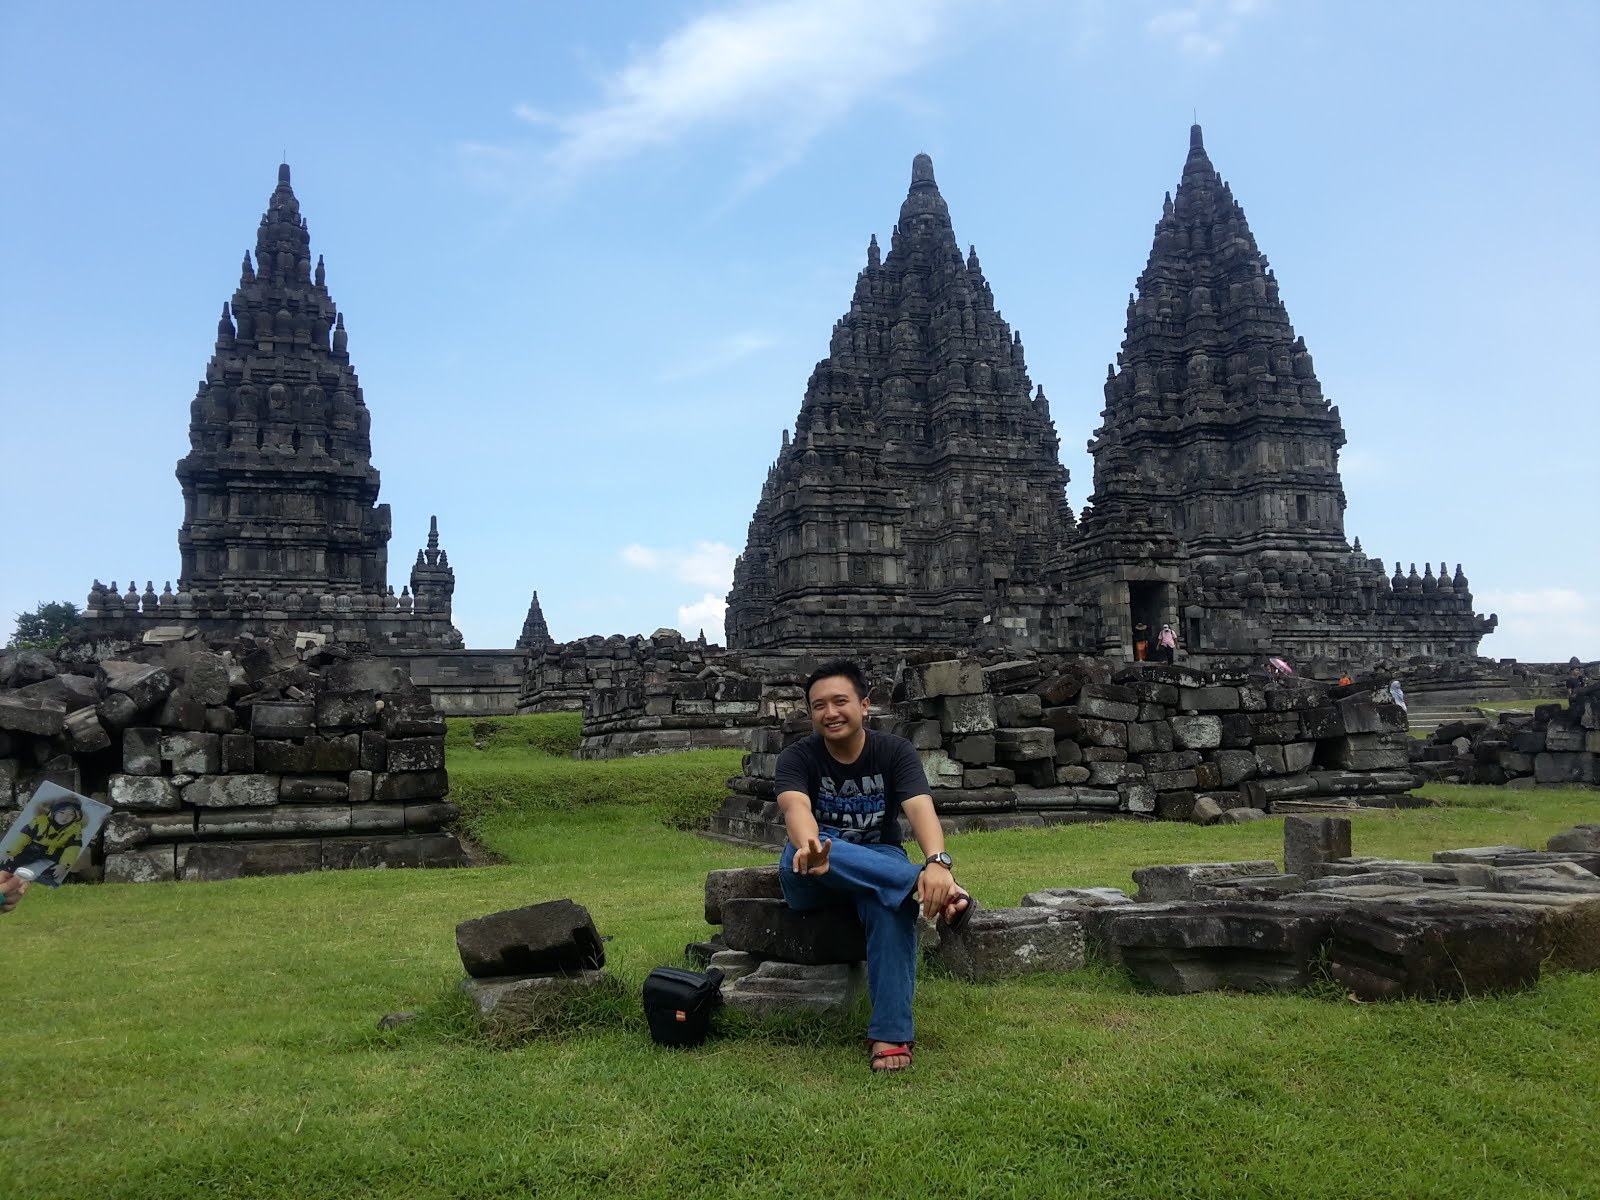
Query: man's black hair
x=846, y=667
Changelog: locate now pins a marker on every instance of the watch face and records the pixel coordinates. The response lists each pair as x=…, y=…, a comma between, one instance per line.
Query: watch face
x=941, y=858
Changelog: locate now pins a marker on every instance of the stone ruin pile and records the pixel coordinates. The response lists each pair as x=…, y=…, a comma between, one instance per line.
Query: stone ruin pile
x=525, y=963
x=559, y=676
x=1471, y=922
x=1556, y=744
x=1035, y=741
x=231, y=758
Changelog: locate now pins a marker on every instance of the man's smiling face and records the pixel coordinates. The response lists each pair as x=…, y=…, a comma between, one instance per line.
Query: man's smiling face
x=837, y=711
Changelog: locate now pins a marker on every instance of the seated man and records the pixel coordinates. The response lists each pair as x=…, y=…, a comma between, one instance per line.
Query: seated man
x=841, y=791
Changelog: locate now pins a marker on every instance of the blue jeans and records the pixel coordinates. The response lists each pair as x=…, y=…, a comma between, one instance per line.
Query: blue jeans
x=882, y=882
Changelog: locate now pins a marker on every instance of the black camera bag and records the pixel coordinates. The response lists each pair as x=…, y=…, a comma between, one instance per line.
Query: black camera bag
x=678, y=1004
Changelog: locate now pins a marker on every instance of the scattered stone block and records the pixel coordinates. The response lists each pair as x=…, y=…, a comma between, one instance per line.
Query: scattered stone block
x=412, y=754
x=771, y=929
x=1076, y=899
x=739, y=883
x=143, y=684
x=949, y=677
x=1579, y=837
x=1177, y=881
x=734, y=964
x=1218, y=945
x=410, y=785
x=26, y=714
x=312, y=789
x=1438, y=953
x=778, y=988
x=557, y=935
x=997, y=943
x=521, y=1005
x=1197, y=732
x=192, y=753
x=1024, y=745
x=1309, y=842
x=85, y=733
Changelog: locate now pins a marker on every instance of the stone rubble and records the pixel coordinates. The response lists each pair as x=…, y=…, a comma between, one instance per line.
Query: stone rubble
x=230, y=757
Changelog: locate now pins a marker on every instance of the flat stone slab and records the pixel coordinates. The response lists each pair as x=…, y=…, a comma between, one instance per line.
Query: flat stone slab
x=734, y=964
x=1217, y=945
x=778, y=988
x=1076, y=899
x=521, y=1004
x=739, y=883
x=555, y=936
x=1433, y=954
x=771, y=929
x=1177, y=881
x=997, y=943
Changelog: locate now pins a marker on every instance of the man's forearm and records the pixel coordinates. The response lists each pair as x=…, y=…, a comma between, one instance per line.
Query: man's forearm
x=798, y=822
x=925, y=827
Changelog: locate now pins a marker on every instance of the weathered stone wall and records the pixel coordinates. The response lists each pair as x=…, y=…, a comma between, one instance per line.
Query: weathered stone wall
x=1033, y=741
x=227, y=759
x=464, y=683
x=1556, y=744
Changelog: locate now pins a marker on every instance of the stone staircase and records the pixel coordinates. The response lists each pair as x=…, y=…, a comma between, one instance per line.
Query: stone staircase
x=1425, y=718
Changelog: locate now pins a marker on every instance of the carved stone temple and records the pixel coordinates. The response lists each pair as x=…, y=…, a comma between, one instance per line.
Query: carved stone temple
x=282, y=529
x=922, y=500
x=1217, y=501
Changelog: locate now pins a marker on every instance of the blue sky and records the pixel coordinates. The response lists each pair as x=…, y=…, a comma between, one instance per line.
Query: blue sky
x=588, y=255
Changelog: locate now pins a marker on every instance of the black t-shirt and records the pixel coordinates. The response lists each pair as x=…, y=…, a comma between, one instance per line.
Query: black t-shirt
x=859, y=801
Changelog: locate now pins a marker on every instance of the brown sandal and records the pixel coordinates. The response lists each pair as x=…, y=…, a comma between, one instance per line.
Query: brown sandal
x=897, y=1050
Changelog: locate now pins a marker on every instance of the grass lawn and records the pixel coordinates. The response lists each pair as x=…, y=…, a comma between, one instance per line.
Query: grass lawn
x=218, y=1039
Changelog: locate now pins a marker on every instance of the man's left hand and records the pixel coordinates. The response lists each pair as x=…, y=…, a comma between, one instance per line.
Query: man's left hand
x=936, y=888
x=11, y=889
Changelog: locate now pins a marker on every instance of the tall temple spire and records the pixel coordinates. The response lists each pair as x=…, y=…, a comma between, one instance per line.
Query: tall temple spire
x=279, y=488
x=1216, y=465
x=920, y=440
x=535, y=634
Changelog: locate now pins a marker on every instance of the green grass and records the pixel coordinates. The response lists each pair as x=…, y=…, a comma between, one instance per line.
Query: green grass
x=174, y=1040
x=507, y=771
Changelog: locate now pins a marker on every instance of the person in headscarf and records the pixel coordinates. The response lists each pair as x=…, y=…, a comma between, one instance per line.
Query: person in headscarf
x=1168, y=641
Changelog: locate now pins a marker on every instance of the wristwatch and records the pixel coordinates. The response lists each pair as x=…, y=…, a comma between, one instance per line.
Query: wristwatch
x=941, y=858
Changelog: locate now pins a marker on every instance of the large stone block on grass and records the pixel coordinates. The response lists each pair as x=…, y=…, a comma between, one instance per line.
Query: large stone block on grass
x=1579, y=837
x=1309, y=842
x=997, y=943
x=782, y=988
x=740, y=883
x=1217, y=945
x=557, y=935
x=1176, y=881
x=772, y=929
x=520, y=1006
x=1435, y=953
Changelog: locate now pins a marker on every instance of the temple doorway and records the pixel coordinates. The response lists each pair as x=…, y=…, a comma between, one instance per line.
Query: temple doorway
x=1147, y=602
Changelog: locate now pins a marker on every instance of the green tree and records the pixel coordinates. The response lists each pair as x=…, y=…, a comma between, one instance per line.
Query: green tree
x=46, y=626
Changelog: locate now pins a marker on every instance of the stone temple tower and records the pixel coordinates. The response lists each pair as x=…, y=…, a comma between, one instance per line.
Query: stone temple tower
x=278, y=485
x=282, y=525
x=1217, y=501
x=921, y=500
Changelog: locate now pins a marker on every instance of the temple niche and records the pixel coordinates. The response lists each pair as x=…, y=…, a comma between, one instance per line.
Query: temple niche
x=1217, y=503
x=282, y=530
x=921, y=499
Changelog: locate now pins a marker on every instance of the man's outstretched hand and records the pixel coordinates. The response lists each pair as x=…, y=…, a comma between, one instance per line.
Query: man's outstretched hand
x=812, y=858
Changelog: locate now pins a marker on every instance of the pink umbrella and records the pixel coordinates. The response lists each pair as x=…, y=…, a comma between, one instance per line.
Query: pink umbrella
x=1279, y=665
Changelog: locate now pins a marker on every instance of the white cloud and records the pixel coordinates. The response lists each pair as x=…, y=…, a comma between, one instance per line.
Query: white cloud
x=787, y=69
x=705, y=613
x=708, y=564
x=1547, y=624
x=719, y=355
x=1203, y=28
